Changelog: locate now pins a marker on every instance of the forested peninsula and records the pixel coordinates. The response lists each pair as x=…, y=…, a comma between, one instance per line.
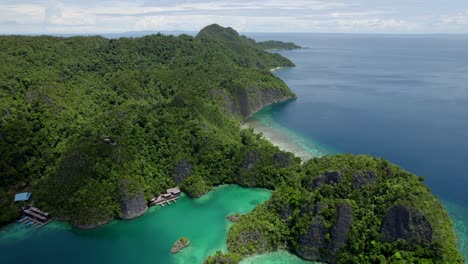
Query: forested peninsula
x=96, y=127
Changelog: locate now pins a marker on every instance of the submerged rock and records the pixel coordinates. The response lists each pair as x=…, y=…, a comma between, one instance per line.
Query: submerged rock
x=407, y=223
x=180, y=244
x=234, y=217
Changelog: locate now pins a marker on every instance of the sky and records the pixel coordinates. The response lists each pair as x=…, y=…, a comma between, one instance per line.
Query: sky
x=320, y=16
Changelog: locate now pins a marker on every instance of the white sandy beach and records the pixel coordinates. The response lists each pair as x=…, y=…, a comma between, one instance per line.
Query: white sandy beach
x=283, y=139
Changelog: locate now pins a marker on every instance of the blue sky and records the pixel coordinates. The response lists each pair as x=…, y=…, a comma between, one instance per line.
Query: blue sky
x=351, y=16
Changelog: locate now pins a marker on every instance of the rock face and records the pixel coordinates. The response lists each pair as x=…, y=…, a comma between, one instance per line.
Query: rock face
x=133, y=206
x=283, y=159
x=234, y=217
x=285, y=211
x=407, y=223
x=327, y=178
x=181, y=171
x=132, y=203
x=363, y=178
x=313, y=245
x=251, y=160
x=251, y=100
x=339, y=233
x=313, y=240
x=180, y=244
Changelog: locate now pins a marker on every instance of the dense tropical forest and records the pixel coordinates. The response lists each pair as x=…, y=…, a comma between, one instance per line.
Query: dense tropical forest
x=89, y=123
x=350, y=209
x=277, y=45
x=96, y=127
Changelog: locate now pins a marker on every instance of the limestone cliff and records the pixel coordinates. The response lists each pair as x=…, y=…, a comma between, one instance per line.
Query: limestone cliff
x=132, y=202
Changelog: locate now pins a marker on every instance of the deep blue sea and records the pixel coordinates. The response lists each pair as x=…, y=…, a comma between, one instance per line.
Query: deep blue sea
x=401, y=97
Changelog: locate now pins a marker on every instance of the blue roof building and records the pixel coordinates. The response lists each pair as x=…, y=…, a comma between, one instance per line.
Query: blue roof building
x=22, y=196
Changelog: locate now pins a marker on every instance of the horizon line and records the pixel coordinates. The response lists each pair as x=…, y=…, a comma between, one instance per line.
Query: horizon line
x=240, y=32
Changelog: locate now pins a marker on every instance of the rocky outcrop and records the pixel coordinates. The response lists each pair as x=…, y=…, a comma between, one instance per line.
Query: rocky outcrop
x=313, y=241
x=251, y=160
x=319, y=207
x=283, y=159
x=285, y=211
x=132, y=202
x=181, y=171
x=407, y=223
x=179, y=245
x=244, y=102
x=234, y=217
x=230, y=105
x=133, y=206
x=339, y=233
x=327, y=178
x=314, y=246
x=251, y=100
x=363, y=178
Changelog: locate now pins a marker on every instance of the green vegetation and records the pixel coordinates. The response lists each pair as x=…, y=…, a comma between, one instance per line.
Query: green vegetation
x=180, y=244
x=95, y=127
x=277, y=45
x=184, y=241
x=82, y=117
x=350, y=209
x=223, y=258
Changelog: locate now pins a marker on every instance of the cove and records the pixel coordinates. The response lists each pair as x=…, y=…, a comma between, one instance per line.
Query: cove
x=147, y=239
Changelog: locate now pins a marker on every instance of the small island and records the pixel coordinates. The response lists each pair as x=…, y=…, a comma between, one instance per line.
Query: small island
x=180, y=244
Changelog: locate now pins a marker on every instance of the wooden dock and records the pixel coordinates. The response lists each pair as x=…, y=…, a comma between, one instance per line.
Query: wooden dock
x=171, y=195
x=33, y=217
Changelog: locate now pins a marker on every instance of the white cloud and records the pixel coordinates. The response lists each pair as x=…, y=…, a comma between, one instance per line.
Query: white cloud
x=459, y=19
x=108, y=16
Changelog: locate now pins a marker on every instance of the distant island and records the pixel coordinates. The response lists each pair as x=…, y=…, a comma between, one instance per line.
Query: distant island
x=277, y=45
x=95, y=128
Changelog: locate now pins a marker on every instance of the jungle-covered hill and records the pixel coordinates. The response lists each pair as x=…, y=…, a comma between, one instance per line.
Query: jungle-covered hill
x=95, y=126
x=349, y=209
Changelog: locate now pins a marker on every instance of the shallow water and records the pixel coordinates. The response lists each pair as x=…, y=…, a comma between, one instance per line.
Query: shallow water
x=401, y=97
x=280, y=257
x=147, y=239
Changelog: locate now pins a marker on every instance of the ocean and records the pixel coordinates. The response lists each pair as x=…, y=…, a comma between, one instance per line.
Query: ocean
x=400, y=97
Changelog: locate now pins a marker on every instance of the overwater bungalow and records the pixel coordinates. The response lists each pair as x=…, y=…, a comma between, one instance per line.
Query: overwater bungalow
x=171, y=194
x=34, y=217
